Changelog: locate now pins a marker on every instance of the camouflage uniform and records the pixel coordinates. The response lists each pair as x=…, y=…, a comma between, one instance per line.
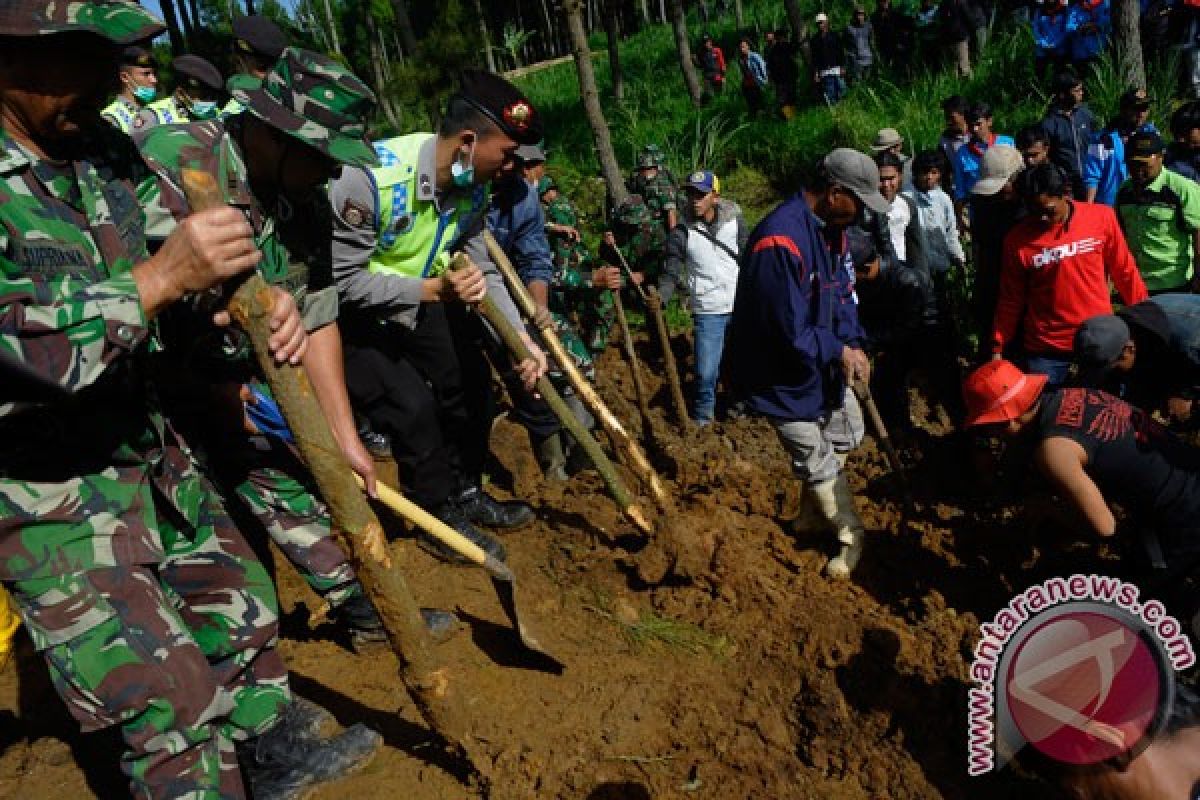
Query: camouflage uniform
x=571, y=291
x=660, y=193
x=267, y=478
x=640, y=237
x=150, y=609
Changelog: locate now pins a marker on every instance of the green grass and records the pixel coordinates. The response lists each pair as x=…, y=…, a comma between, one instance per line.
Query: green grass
x=651, y=629
x=766, y=157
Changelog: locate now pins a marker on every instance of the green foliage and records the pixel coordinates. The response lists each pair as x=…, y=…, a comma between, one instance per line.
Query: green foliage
x=514, y=40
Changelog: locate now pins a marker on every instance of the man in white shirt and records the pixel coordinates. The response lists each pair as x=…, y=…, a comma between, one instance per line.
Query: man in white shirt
x=702, y=254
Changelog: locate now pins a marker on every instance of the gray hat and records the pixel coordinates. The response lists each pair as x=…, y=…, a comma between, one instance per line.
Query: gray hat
x=858, y=173
x=887, y=137
x=1000, y=164
x=531, y=153
x=1099, y=342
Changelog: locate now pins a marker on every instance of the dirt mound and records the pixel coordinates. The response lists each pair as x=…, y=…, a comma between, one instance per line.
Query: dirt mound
x=758, y=679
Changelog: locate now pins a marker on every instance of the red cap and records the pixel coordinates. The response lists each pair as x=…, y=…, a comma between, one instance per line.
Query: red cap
x=999, y=392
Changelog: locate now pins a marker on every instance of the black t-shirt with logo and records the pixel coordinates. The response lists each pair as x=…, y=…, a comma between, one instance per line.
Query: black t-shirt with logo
x=1133, y=460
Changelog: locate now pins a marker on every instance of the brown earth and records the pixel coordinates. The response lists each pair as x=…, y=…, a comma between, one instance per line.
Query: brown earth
x=758, y=679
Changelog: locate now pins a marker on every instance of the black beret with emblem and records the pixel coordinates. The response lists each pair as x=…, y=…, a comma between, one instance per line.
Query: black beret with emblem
x=503, y=104
x=197, y=72
x=258, y=35
x=135, y=56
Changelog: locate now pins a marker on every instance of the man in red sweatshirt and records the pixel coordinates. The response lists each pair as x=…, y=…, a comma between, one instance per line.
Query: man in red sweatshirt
x=1056, y=267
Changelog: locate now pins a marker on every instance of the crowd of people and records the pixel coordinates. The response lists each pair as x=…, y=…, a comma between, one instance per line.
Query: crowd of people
x=136, y=419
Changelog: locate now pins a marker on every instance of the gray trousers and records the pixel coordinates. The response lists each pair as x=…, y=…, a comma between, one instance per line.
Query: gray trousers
x=814, y=445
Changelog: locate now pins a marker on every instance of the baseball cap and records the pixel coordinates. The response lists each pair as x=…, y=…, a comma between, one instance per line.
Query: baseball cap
x=822, y=17
x=317, y=100
x=999, y=392
x=858, y=173
x=1135, y=97
x=1143, y=145
x=1000, y=164
x=887, y=137
x=704, y=181
x=1099, y=342
x=119, y=21
x=258, y=35
x=531, y=153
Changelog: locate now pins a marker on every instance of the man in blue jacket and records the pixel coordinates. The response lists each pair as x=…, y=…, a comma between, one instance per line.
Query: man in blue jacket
x=795, y=340
x=1104, y=170
x=1070, y=126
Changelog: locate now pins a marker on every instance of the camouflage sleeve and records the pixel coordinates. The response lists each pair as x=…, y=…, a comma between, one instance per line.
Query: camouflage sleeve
x=66, y=334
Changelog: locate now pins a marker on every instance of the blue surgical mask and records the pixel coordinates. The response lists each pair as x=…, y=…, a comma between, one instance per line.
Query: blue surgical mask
x=204, y=109
x=145, y=94
x=464, y=176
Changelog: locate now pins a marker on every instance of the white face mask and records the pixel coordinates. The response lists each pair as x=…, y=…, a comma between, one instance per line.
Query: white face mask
x=204, y=109
x=464, y=176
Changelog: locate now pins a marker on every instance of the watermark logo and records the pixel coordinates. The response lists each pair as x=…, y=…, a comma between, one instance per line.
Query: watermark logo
x=1077, y=668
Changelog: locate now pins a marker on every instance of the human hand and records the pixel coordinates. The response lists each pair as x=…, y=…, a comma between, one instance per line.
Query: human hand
x=360, y=461
x=542, y=319
x=289, y=340
x=466, y=285
x=205, y=249
x=1179, y=409
x=855, y=364
x=606, y=278
x=529, y=370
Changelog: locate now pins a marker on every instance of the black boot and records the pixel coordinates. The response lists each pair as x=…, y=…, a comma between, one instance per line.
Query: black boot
x=378, y=444
x=366, y=628
x=483, y=509
x=452, y=515
x=286, y=761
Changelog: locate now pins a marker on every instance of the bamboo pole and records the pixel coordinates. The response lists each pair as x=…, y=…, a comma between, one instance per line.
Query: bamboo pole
x=635, y=367
x=437, y=693
x=520, y=350
x=654, y=304
x=634, y=454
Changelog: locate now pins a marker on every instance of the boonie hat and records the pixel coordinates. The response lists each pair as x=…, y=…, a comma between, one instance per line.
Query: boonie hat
x=1099, y=341
x=317, y=100
x=503, y=104
x=704, y=181
x=887, y=137
x=1001, y=162
x=198, y=72
x=1143, y=146
x=531, y=153
x=257, y=35
x=859, y=174
x=119, y=21
x=999, y=392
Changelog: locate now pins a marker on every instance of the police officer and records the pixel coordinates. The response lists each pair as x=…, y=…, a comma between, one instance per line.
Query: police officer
x=257, y=45
x=151, y=610
x=139, y=86
x=196, y=97
x=414, y=362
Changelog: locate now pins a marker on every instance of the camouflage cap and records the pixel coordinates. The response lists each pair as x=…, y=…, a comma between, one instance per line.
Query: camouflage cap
x=317, y=100
x=118, y=21
x=647, y=160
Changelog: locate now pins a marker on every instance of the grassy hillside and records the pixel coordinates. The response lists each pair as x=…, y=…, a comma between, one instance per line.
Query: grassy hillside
x=759, y=159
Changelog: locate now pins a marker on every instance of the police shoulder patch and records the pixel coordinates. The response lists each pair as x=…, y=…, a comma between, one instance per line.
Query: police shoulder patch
x=354, y=215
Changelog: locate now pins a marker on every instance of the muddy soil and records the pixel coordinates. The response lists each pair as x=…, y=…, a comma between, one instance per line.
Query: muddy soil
x=760, y=678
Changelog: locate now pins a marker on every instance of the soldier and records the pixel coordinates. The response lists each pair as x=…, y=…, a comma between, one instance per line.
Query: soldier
x=196, y=97
x=276, y=181
x=414, y=361
x=149, y=607
x=639, y=238
x=257, y=45
x=655, y=184
x=139, y=85
x=579, y=282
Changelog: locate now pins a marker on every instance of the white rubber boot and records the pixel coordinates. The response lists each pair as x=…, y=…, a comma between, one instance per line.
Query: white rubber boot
x=811, y=518
x=836, y=503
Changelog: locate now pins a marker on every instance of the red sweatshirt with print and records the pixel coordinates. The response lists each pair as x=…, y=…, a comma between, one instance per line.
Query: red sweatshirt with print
x=1057, y=277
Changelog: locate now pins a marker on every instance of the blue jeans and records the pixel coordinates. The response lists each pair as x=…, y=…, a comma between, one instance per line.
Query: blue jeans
x=1053, y=367
x=709, y=333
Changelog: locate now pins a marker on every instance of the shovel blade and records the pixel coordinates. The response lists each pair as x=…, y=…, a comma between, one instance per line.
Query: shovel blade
x=505, y=584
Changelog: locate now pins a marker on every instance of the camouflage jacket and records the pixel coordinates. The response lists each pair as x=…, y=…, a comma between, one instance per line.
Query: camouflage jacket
x=571, y=258
x=86, y=451
x=295, y=240
x=659, y=192
x=642, y=239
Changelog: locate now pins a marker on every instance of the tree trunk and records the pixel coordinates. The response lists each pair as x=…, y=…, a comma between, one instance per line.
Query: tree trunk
x=250, y=12
x=548, y=34
x=1128, y=39
x=178, y=46
x=614, y=52
x=684, y=49
x=739, y=14
x=186, y=23
x=799, y=32
x=488, y=54
x=379, y=71
x=408, y=35
x=662, y=12
x=194, y=12
x=645, y=5
x=331, y=21
x=573, y=9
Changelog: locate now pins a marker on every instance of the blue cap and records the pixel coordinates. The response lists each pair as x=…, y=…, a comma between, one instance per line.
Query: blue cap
x=704, y=181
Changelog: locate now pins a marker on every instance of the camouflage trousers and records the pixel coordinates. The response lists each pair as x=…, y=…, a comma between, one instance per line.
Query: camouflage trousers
x=274, y=490
x=573, y=343
x=180, y=654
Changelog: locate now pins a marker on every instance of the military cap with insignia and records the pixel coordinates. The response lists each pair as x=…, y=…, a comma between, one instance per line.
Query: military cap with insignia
x=258, y=36
x=197, y=72
x=135, y=56
x=119, y=21
x=503, y=104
